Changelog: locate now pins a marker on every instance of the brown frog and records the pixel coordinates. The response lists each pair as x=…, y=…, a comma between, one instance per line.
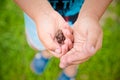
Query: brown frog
x=60, y=37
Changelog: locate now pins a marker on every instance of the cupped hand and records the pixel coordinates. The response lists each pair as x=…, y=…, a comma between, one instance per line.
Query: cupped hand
x=47, y=27
x=87, y=40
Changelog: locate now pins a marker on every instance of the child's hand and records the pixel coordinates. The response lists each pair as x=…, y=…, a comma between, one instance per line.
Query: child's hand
x=48, y=22
x=47, y=27
x=87, y=40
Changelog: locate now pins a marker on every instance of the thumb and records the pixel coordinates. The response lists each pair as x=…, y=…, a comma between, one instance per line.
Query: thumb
x=67, y=59
x=91, y=41
x=51, y=44
x=72, y=57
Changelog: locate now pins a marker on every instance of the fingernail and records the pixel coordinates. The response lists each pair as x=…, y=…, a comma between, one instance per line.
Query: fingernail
x=92, y=49
x=58, y=51
x=62, y=62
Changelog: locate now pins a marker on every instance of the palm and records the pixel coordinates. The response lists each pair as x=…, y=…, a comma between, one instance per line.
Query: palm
x=87, y=40
x=48, y=26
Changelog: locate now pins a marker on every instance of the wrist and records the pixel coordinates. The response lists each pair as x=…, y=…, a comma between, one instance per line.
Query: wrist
x=44, y=10
x=88, y=16
x=44, y=15
x=88, y=21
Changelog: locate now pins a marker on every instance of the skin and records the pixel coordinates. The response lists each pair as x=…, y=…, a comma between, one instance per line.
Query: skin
x=48, y=22
x=87, y=33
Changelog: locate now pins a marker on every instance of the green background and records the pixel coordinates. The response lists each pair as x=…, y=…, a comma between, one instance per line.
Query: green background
x=16, y=55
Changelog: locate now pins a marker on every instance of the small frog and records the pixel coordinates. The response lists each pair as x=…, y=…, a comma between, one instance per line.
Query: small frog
x=60, y=37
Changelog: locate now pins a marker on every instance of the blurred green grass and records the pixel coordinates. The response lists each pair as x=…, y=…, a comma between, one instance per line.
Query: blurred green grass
x=16, y=55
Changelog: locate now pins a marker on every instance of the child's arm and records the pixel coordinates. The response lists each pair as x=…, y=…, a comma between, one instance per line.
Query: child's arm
x=87, y=33
x=94, y=8
x=48, y=22
x=35, y=8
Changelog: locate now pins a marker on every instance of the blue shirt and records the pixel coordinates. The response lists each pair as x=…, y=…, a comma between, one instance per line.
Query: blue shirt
x=67, y=7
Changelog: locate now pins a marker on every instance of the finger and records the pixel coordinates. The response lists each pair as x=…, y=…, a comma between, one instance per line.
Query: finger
x=72, y=57
x=80, y=61
x=51, y=44
x=68, y=31
x=64, y=49
x=66, y=26
x=67, y=34
x=66, y=46
x=91, y=41
x=73, y=63
x=78, y=56
x=84, y=49
x=55, y=54
x=68, y=43
x=63, y=62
